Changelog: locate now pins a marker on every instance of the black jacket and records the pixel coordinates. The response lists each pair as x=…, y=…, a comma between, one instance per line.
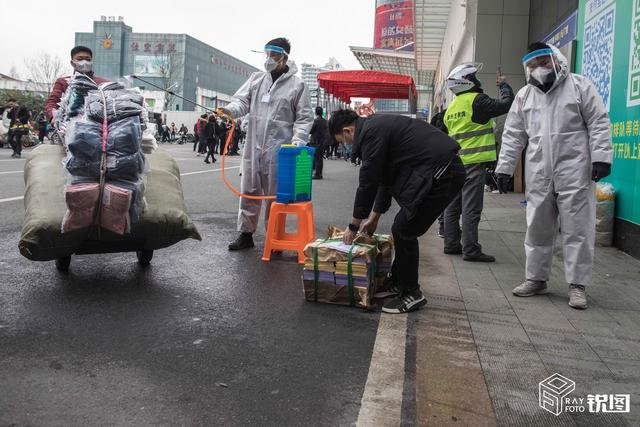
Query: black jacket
x=486, y=108
x=319, y=133
x=19, y=115
x=209, y=132
x=399, y=156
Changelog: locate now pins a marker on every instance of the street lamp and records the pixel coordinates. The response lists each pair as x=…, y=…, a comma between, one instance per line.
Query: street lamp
x=317, y=95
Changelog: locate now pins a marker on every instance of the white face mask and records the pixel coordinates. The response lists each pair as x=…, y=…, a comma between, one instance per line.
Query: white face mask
x=83, y=66
x=270, y=64
x=542, y=74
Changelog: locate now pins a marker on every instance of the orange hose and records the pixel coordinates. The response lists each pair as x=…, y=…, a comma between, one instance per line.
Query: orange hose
x=228, y=184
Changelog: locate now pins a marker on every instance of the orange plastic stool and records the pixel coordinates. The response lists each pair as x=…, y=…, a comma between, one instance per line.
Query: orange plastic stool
x=278, y=239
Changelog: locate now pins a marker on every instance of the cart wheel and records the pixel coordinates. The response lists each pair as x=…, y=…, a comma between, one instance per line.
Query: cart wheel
x=62, y=264
x=144, y=257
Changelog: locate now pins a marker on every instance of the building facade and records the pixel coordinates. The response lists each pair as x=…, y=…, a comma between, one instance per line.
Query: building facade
x=309, y=74
x=177, y=62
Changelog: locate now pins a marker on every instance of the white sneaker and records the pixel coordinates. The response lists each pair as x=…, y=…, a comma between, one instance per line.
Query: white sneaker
x=530, y=288
x=577, y=297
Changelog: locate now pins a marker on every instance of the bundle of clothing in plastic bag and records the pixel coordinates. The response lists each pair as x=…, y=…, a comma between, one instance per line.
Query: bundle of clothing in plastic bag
x=106, y=184
x=72, y=102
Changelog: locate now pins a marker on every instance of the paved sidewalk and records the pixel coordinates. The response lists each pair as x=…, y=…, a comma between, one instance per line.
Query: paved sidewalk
x=481, y=351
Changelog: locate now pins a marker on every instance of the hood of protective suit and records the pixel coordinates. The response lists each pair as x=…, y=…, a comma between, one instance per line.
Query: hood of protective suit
x=293, y=68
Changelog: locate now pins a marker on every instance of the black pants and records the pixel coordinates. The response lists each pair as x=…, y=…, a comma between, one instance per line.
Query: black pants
x=14, y=139
x=318, y=161
x=202, y=147
x=195, y=142
x=211, y=146
x=406, y=232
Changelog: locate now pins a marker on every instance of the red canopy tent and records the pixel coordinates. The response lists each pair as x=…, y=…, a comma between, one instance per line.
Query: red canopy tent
x=345, y=85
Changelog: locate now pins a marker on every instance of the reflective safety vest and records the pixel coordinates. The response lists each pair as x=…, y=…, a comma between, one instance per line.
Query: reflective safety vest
x=477, y=142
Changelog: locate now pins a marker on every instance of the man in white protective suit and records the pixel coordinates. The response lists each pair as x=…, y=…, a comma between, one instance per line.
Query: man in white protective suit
x=278, y=111
x=561, y=120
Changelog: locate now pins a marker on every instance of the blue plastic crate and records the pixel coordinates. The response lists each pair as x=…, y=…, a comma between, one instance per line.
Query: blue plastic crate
x=295, y=166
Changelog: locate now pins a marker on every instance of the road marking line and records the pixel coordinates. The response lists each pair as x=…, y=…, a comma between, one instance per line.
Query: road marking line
x=4, y=173
x=381, y=403
x=11, y=199
x=208, y=170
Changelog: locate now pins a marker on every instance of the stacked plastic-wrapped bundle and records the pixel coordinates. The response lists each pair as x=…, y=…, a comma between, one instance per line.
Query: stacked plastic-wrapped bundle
x=336, y=273
x=72, y=102
x=605, y=213
x=105, y=159
x=352, y=279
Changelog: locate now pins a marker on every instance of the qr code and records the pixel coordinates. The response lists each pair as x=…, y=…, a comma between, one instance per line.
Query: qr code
x=597, y=53
x=633, y=97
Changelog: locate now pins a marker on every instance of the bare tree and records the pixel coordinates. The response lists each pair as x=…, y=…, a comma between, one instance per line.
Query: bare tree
x=43, y=71
x=171, y=70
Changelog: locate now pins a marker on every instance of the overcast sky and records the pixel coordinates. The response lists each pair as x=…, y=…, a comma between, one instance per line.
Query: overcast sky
x=317, y=29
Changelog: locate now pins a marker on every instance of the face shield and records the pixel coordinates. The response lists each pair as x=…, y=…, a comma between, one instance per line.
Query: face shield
x=274, y=55
x=540, y=66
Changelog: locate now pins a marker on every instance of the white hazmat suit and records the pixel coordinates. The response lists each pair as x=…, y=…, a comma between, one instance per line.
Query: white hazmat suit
x=276, y=113
x=564, y=132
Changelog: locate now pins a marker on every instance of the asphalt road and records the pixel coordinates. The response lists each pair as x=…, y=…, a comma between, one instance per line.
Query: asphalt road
x=203, y=337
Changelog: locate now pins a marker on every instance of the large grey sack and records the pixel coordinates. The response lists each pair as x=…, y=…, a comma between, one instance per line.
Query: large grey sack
x=163, y=223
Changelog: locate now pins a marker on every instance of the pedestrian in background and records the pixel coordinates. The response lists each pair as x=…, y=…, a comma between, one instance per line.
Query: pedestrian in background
x=18, y=126
x=469, y=120
x=210, y=136
x=561, y=121
x=165, y=133
x=183, y=133
x=202, y=141
x=333, y=153
x=174, y=130
x=41, y=122
x=319, y=138
x=196, y=134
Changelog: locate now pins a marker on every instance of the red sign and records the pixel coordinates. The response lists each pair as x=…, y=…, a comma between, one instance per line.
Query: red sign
x=394, y=25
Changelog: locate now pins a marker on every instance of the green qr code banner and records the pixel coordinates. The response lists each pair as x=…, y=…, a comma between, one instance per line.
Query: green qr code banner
x=633, y=93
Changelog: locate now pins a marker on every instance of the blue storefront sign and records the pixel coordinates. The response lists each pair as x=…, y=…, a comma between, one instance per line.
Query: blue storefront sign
x=563, y=33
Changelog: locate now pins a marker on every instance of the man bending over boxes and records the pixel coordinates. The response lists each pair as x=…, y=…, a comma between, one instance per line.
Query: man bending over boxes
x=417, y=165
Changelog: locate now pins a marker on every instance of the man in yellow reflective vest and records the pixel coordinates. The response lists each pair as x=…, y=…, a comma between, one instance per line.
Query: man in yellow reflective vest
x=469, y=120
